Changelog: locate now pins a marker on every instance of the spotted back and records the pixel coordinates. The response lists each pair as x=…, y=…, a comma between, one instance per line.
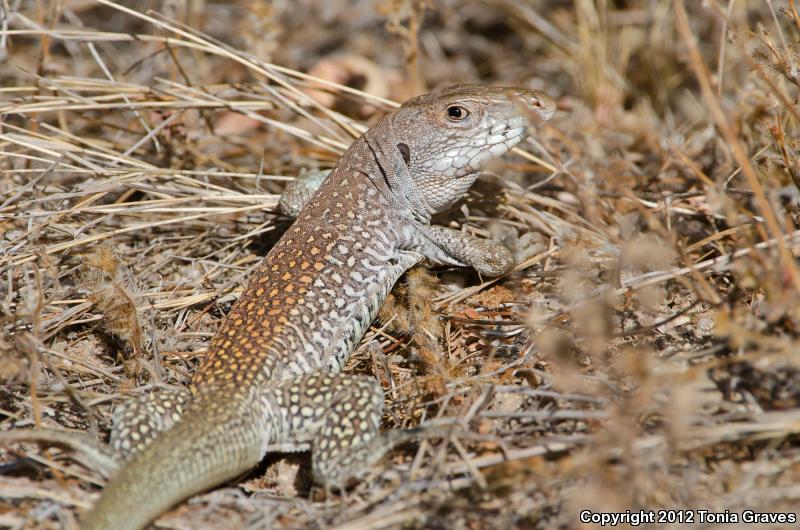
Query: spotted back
x=315, y=293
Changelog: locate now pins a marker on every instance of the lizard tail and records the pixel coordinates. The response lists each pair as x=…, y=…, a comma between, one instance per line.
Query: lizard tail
x=200, y=451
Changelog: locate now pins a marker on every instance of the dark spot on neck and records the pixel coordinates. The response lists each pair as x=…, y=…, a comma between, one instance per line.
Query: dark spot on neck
x=406, y=152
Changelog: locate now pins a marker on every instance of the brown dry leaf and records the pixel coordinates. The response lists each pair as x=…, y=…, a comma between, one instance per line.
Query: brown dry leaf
x=107, y=278
x=234, y=124
x=354, y=71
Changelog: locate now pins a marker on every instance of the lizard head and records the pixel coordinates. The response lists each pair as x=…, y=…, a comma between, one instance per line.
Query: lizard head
x=445, y=137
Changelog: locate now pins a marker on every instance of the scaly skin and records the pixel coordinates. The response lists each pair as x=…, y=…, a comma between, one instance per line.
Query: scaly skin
x=271, y=375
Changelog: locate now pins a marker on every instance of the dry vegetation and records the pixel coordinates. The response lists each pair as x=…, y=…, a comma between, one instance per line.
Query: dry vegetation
x=647, y=357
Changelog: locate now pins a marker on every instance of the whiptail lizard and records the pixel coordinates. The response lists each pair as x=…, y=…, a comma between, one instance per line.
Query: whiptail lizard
x=272, y=372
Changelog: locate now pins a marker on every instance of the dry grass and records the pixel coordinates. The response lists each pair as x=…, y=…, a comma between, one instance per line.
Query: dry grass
x=646, y=358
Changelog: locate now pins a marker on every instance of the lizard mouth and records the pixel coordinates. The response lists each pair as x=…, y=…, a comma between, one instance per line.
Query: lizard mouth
x=492, y=142
x=488, y=142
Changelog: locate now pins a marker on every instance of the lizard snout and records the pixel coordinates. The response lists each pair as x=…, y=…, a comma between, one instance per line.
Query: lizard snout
x=536, y=105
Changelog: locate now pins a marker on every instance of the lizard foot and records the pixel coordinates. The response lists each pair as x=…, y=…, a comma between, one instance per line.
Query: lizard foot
x=522, y=247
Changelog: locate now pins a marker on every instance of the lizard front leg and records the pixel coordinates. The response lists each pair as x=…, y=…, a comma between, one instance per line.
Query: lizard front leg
x=445, y=246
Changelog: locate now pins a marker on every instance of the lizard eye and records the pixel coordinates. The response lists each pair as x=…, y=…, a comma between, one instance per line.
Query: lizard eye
x=456, y=113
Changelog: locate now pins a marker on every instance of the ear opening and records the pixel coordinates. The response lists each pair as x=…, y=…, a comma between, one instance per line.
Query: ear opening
x=405, y=151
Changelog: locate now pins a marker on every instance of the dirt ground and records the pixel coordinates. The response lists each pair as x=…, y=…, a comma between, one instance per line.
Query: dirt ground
x=645, y=358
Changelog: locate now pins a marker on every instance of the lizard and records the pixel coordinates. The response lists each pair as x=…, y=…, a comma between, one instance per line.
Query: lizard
x=272, y=373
